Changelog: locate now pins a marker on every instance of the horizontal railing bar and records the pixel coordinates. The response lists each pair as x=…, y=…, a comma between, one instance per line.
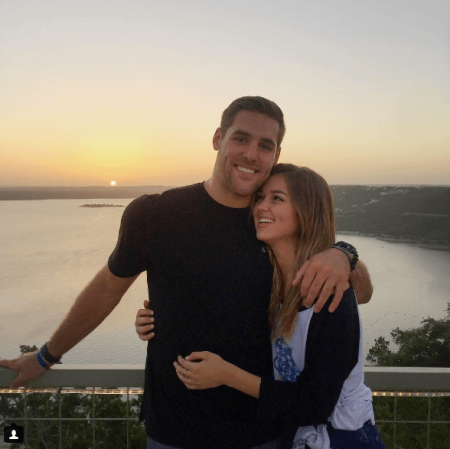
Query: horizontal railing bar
x=106, y=376
x=68, y=419
x=62, y=390
x=412, y=422
x=137, y=419
x=408, y=394
x=109, y=376
x=407, y=378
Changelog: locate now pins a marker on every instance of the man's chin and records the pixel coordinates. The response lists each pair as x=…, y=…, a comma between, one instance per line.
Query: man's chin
x=247, y=191
x=244, y=189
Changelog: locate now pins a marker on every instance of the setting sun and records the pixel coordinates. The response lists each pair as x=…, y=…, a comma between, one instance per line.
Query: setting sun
x=113, y=183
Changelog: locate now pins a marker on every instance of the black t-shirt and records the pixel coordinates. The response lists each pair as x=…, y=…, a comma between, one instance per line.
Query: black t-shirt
x=209, y=283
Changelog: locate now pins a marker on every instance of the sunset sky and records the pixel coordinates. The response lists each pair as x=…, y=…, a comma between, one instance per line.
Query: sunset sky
x=132, y=91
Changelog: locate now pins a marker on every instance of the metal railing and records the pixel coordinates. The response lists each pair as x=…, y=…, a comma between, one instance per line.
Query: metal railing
x=412, y=406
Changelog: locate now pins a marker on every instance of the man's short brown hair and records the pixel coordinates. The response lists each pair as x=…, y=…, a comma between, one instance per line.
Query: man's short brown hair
x=253, y=104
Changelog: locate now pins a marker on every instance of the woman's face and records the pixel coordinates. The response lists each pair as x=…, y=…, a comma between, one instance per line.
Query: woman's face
x=274, y=214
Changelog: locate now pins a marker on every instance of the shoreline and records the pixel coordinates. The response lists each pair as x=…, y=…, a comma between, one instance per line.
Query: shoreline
x=391, y=239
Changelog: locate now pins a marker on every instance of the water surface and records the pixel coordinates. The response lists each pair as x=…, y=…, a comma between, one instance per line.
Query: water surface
x=51, y=249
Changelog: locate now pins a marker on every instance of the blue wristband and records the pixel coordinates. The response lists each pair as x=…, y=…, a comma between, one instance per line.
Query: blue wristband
x=41, y=360
x=48, y=358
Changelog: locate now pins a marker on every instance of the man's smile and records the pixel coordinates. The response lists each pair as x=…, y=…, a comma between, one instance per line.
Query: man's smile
x=245, y=170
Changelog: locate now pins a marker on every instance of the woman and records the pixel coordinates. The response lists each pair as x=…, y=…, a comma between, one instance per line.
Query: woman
x=318, y=390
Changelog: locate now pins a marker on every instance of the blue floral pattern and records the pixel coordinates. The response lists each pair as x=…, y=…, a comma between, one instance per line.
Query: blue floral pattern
x=284, y=363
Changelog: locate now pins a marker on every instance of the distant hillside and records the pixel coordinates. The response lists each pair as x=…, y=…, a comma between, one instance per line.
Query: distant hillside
x=411, y=214
x=418, y=215
x=76, y=193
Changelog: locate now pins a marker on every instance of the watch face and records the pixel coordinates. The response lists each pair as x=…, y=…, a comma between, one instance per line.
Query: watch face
x=347, y=246
x=349, y=251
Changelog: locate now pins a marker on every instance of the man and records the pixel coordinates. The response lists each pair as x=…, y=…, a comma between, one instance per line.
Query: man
x=210, y=283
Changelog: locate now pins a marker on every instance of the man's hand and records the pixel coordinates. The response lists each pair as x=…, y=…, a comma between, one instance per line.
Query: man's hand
x=26, y=366
x=144, y=323
x=324, y=274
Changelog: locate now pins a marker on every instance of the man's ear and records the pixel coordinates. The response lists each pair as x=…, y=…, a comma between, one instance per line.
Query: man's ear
x=217, y=138
x=277, y=155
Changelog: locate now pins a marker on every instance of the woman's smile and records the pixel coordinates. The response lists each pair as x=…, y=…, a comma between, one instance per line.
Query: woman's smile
x=274, y=214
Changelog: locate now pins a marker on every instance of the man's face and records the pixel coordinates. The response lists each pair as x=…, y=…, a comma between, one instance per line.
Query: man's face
x=247, y=152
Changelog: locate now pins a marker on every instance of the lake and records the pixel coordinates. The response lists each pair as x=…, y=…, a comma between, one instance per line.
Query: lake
x=50, y=249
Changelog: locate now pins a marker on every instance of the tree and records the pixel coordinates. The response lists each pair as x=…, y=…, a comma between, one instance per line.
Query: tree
x=426, y=345
x=26, y=348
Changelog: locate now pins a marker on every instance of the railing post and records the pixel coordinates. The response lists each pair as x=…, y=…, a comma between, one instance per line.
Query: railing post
x=128, y=416
x=395, y=422
x=59, y=414
x=26, y=420
x=93, y=417
x=429, y=422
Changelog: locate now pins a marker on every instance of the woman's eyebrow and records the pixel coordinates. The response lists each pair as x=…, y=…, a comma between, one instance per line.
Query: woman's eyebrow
x=278, y=191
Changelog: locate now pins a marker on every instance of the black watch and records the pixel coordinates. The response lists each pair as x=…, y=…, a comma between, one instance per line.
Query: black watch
x=49, y=358
x=348, y=250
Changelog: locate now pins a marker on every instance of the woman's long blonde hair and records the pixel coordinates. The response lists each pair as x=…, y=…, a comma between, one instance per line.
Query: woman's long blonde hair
x=313, y=202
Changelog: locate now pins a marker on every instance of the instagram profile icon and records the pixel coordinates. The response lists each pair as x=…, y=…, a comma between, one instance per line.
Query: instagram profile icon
x=13, y=434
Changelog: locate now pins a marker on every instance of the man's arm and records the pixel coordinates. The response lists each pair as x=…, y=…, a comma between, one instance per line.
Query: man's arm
x=90, y=308
x=329, y=273
x=362, y=284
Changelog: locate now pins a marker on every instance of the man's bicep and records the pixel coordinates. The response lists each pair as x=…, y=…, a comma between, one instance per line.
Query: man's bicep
x=115, y=285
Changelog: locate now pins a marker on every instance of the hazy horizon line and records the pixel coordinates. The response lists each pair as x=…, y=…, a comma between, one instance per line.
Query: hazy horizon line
x=183, y=185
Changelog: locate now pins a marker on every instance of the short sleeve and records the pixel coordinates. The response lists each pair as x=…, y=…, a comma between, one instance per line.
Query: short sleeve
x=139, y=222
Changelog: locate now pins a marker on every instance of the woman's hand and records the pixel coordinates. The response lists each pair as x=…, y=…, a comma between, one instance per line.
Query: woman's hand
x=144, y=323
x=201, y=370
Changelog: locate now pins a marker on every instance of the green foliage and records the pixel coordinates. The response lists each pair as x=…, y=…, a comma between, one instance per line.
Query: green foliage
x=26, y=348
x=426, y=345
x=414, y=214
x=78, y=407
